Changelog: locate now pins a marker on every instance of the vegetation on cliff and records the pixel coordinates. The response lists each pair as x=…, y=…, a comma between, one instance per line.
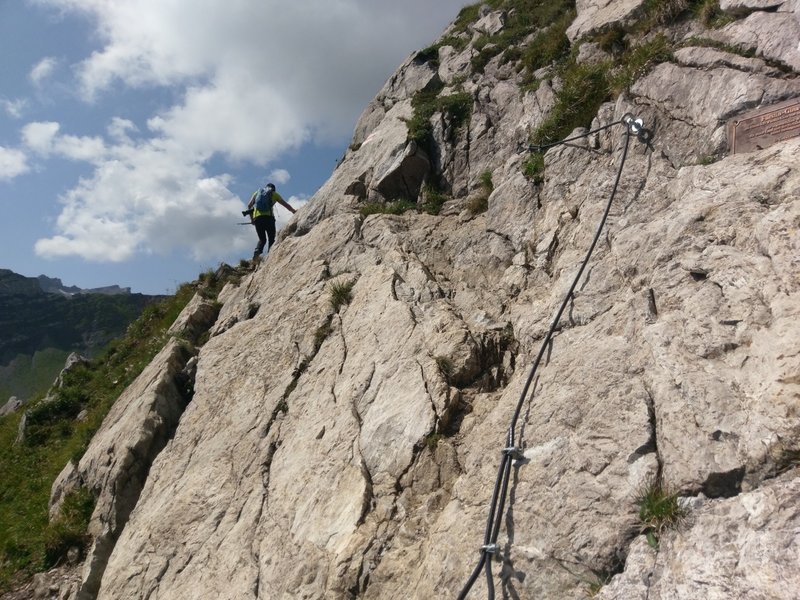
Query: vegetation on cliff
x=39, y=329
x=59, y=428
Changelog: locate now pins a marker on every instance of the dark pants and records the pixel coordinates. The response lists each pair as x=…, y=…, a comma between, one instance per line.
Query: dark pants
x=265, y=228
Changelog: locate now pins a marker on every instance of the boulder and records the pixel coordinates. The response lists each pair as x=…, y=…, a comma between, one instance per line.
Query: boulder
x=403, y=177
x=12, y=406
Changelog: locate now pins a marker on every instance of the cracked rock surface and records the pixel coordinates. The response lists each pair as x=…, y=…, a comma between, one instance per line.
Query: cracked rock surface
x=349, y=450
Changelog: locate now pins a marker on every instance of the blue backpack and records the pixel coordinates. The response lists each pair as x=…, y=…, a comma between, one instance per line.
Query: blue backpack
x=264, y=201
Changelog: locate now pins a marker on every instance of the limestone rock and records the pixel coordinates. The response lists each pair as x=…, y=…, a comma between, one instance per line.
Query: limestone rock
x=403, y=177
x=413, y=76
x=743, y=547
x=772, y=35
x=698, y=102
x=12, y=406
x=745, y=6
x=593, y=15
x=491, y=23
x=711, y=58
x=195, y=319
x=349, y=449
x=116, y=464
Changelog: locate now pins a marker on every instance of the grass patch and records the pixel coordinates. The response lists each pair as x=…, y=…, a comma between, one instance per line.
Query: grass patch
x=432, y=440
x=710, y=14
x=398, y=207
x=524, y=17
x=479, y=203
x=455, y=109
x=549, y=46
x=534, y=168
x=432, y=199
x=69, y=529
x=584, y=89
x=659, y=510
x=28, y=543
x=661, y=13
x=637, y=61
x=341, y=293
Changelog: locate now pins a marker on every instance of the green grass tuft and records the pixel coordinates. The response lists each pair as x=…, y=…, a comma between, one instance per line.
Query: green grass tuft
x=69, y=529
x=341, y=293
x=455, y=109
x=659, y=510
x=397, y=207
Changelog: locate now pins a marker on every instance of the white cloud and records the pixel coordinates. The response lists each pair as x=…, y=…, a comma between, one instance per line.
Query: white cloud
x=252, y=80
x=42, y=70
x=12, y=163
x=39, y=136
x=279, y=176
x=146, y=197
x=259, y=77
x=43, y=138
x=13, y=108
x=119, y=129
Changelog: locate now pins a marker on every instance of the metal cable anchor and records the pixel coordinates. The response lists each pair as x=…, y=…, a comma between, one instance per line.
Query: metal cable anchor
x=637, y=128
x=514, y=452
x=490, y=548
x=634, y=125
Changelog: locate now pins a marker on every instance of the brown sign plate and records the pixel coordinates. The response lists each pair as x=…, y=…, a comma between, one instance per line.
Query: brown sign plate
x=763, y=127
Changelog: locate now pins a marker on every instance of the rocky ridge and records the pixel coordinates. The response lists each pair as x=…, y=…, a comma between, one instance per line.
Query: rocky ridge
x=348, y=449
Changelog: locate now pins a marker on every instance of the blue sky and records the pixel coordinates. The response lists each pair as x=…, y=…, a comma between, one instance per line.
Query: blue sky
x=132, y=132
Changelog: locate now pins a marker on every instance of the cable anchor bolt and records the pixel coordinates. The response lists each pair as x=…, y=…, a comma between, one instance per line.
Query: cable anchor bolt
x=490, y=549
x=514, y=452
x=635, y=126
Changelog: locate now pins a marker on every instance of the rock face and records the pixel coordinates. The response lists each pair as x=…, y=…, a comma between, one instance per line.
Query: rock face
x=349, y=448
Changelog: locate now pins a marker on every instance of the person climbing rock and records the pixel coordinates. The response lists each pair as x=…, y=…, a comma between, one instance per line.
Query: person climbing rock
x=261, y=211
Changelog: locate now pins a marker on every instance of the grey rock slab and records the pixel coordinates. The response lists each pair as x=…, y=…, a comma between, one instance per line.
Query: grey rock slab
x=593, y=15
x=116, y=464
x=12, y=406
x=742, y=547
x=773, y=35
x=711, y=58
x=697, y=102
x=746, y=6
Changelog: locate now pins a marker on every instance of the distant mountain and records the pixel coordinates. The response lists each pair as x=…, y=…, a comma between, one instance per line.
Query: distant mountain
x=54, y=286
x=42, y=315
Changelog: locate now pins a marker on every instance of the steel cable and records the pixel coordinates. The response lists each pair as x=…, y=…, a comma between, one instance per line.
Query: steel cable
x=497, y=504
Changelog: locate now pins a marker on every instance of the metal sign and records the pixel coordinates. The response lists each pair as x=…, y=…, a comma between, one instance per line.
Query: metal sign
x=763, y=127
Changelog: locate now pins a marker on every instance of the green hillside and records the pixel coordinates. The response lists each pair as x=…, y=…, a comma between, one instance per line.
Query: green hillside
x=38, y=330
x=28, y=376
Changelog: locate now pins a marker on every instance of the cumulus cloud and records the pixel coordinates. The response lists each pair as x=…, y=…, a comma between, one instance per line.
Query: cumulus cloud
x=261, y=76
x=43, y=138
x=43, y=70
x=120, y=128
x=12, y=163
x=13, y=108
x=279, y=176
x=39, y=136
x=144, y=196
x=252, y=80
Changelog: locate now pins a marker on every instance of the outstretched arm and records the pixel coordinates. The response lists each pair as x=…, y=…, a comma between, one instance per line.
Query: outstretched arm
x=286, y=205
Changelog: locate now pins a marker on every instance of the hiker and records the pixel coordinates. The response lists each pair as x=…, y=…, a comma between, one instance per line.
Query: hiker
x=260, y=209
